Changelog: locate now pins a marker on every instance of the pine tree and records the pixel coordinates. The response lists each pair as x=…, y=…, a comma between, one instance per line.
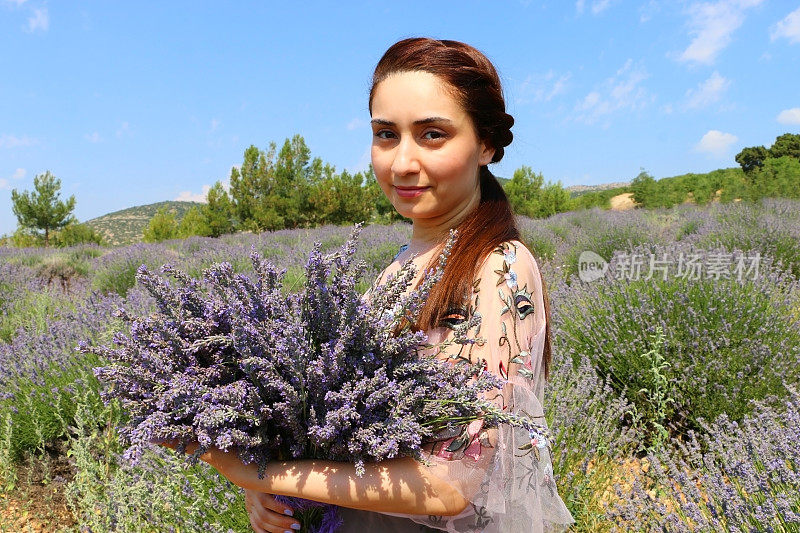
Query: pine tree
x=42, y=208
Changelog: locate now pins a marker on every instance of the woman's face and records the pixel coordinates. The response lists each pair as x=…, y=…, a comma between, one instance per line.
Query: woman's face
x=425, y=151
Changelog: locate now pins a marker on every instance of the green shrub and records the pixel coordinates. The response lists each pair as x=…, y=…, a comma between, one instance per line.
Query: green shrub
x=118, y=278
x=116, y=272
x=76, y=233
x=8, y=473
x=688, y=228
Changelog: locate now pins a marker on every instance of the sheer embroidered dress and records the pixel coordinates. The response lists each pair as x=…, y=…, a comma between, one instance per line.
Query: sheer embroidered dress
x=506, y=474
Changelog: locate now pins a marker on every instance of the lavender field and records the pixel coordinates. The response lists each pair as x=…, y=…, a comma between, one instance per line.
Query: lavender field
x=673, y=398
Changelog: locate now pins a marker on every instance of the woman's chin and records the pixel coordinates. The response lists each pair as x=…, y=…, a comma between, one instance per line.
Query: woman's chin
x=410, y=211
x=405, y=208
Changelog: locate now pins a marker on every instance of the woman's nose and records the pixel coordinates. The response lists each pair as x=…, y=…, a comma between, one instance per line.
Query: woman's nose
x=405, y=158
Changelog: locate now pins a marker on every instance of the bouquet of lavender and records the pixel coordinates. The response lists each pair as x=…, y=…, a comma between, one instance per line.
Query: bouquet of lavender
x=234, y=362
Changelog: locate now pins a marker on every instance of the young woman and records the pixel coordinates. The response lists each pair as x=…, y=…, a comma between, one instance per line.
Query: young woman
x=438, y=120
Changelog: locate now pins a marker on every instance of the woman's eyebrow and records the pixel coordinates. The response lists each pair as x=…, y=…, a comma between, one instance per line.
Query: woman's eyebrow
x=429, y=120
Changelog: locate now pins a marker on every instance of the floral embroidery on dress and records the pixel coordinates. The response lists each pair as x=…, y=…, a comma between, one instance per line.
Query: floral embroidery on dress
x=517, y=306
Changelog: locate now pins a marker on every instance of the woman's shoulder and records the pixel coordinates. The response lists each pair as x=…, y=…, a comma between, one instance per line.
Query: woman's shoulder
x=509, y=255
x=400, y=250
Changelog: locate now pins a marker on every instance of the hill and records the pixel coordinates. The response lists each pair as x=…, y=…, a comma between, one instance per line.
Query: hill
x=578, y=190
x=127, y=225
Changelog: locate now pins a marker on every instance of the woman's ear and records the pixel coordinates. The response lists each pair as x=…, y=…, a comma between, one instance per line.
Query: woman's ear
x=487, y=153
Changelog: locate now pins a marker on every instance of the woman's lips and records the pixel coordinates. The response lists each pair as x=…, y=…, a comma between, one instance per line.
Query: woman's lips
x=410, y=192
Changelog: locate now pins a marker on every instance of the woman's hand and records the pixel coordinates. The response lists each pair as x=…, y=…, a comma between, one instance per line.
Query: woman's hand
x=267, y=515
x=226, y=463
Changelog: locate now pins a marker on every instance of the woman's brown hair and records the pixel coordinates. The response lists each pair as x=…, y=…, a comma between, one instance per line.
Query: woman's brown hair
x=475, y=84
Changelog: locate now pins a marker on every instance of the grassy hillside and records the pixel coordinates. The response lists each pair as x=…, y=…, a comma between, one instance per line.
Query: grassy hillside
x=723, y=184
x=580, y=190
x=127, y=226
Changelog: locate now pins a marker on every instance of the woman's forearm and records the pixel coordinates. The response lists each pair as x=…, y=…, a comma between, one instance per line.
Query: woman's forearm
x=401, y=485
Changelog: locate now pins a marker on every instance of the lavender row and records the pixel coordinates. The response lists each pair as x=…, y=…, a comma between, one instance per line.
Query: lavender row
x=736, y=476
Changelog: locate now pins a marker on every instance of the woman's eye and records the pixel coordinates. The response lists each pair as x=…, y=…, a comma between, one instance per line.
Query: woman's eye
x=433, y=135
x=384, y=134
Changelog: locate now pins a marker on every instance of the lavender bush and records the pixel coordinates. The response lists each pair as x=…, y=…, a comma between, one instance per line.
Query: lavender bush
x=40, y=371
x=109, y=493
x=585, y=416
x=738, y=476
x=769, y=227
x=733, y=340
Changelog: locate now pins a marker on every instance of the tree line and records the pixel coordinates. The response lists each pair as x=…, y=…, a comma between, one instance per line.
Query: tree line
x=272, y=189
x=276, y=189
x=287, y=188
x=763, y=172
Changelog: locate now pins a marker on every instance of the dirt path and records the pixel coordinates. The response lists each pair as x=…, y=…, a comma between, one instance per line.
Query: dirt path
x=33, y=515
x=622, y=202
x=38, y=503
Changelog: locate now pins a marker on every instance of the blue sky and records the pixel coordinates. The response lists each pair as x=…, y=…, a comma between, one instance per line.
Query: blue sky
x=130, y=103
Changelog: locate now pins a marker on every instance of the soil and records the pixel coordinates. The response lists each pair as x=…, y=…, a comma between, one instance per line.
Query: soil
x=622, y=202
x=38, y=504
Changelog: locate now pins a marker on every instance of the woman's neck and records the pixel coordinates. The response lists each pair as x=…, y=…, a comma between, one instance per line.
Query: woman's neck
x=427, y=233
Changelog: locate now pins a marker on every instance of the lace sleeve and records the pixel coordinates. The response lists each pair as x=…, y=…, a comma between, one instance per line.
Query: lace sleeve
x=505, y=473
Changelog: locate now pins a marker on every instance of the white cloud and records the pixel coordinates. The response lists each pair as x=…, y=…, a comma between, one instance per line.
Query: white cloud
x=708, y=92
x=542, y=87
x=712, y=25
x=716, y=143
x=93, y=137
x=647, y=12
x=355, y=124
x=214, y=124
x=591, y=100
x=123, y=129
x=189, y=196
x=17, y=3
x=623, y=91
x=598, y=6
x=40, y=20
x=789, y=27
x=18, y=175
x=789, y=116
x=12, y=141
